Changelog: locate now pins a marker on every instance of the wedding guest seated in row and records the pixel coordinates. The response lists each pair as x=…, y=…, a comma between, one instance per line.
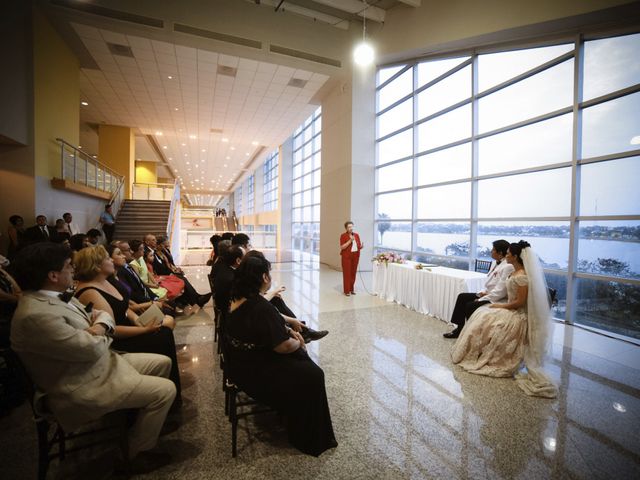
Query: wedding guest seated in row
x=495, y=289
x=40, y=232
x=17, y=235
x=139, y=264
x=499, y=337
x=10, y=293
x=270, y=363
x=242, y=240
x=95, y=271
x=93, y=236
x=162, y=266
x=61, y=232
x=79, y=241
x=214, y=240
x=65, y=351
x=142, y=263
x=72, y=228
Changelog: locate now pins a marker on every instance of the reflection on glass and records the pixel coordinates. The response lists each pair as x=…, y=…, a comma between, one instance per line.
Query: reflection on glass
x=610, y=188
x=432, y=69
x=444, y=129
x=495, y=68
x=444, y=165
x=396, y=118
x=460, y=264
x=542, y=93
x=385, y=74
x=550, y=240
x=611, y=306
x=447, y=201
x=396, y=147
x=526, y=195
x=400, y=87
x=610, y=64
x=394, y=235
x=610, y=248
x=443, y=238
x=395, y=205
x=446, y=92
x=611, y=127
x=542, y=143
x=395, y=177
x=558, y=282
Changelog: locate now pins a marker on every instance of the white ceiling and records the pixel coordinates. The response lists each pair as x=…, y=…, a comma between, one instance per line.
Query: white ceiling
x=176, y=94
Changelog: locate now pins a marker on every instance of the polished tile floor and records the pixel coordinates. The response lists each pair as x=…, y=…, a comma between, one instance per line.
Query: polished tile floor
x=400, y=409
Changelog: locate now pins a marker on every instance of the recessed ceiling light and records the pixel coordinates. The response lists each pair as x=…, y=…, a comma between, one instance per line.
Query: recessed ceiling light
x=233, y=148
x=192, y=137
x=225, y=165
x=225, y=140
x=247, y=154
x=159, y=134
x=170, y=158
x=169, y=77
x=228, y=158
x=176, y=109
x=187, y=163
x=254, y=142
x=164, y=146
x=79, y=146
x=204, y=150
x=94, y=156
x=186, y=154
x=184, y=144
x=197, y=165
x=84, y=104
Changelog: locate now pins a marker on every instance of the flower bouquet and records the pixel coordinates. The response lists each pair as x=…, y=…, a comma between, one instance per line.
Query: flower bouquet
x=388, y=257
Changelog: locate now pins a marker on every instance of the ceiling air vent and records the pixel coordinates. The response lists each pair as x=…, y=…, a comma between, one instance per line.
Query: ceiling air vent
x=90, y=7
x=223, y=37
x=304, y=55
x=122, y=50
x=215, y=130
x=228, y=71
x=297, y=83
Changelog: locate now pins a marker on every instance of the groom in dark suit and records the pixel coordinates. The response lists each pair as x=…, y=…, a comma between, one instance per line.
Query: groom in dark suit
x=65, y=351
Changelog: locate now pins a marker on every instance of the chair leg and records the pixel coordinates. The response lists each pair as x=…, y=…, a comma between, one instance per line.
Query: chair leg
x=43, y=449
x=233, y=418
x=62, y=443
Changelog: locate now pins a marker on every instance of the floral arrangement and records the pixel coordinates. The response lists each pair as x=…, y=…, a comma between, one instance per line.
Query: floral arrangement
x=388, y=257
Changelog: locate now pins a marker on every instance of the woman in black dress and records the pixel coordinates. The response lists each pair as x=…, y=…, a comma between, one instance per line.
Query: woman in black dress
x=94, y=269
x=269, y=362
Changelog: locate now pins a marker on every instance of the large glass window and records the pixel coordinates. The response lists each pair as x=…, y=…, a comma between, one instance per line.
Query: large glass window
x=237, y=200
x=250, y=202
x=520, y=144
x=307, y=161
x=270, y=182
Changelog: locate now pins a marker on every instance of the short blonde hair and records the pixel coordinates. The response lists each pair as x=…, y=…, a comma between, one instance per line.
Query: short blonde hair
x=87, y=262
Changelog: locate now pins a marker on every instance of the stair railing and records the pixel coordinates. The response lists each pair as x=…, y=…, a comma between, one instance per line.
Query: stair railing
x=82, y=168
x=153, y=191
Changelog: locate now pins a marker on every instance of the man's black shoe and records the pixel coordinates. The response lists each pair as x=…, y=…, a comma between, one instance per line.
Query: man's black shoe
x=311, y=335
x=454, y=334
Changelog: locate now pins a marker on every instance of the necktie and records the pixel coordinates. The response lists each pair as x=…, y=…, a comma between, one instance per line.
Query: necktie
x=66, y=296
x=44, y=231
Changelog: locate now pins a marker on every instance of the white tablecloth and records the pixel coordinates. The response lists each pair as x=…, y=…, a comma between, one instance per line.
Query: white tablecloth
x=432, y=291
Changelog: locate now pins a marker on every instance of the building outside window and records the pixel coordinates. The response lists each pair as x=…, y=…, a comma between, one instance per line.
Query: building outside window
x=540, y=144
x=305, y=231
x=270, y=182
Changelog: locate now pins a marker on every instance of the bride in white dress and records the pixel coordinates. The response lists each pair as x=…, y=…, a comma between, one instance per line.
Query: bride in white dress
x=498, y=338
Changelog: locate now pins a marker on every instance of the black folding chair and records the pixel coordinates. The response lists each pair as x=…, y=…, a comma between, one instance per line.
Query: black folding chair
x=483, y=266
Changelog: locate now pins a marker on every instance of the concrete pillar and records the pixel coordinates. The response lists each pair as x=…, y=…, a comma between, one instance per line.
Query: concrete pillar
x=116, y=150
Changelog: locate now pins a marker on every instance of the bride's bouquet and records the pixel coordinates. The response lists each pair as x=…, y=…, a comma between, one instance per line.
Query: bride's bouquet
x=388, y=257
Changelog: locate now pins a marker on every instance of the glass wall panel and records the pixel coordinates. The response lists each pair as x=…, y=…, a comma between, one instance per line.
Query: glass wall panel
x=447, y=201
x=443, y=238
x=394, y=235
x=444, y=165
x=610, y=188
x=396, y=176
x=429, y=71
x=611, y=127
x=542, y=143
x=385, y=74
x=446, y=92
x=610, y=64
x=396, y=118
x=526, y=195
x=444, y=129
x=396, y=205
x=396, y=147
x=610, y=248
x=544, y=92
x=394, y=91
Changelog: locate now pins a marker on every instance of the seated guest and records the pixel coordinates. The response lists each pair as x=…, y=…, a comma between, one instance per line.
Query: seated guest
x=221, y=247
x=495, y=289
x=78, y=241
x=242, y=240
x=61, y=232
x=137, y=261
x=269, y=362
x=93, y=236
x=10, y=293
x=215, y=239
x=227, y=236
x=223, y=281
x=17, y=237
x=173, y=284
x=65, y=351
x=161, y=266
x=275, y=298
x=40, y=232
x=94, y=271
x=71, y=227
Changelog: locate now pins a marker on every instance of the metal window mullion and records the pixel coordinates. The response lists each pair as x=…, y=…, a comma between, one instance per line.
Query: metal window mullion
x=475, y=153
x=611, y=96
x=414, y=164
x=444, y=111
x=612, y=156
x=527, y=122
x=608, y=278
x=597, y=218
x=574, y=223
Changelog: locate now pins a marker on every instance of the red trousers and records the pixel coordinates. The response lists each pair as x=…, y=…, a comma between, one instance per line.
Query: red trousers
x=349, y=269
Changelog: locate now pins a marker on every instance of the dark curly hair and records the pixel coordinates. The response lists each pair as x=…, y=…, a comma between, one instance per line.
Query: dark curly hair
x=248, y=277
x=33, y=263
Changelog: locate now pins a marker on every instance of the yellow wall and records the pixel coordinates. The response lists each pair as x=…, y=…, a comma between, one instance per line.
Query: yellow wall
x=146, y=172
x=116, y=149
x=56, y=96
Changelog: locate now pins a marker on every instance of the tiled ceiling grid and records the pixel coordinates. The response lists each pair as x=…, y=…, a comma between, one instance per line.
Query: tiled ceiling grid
x=178, y=94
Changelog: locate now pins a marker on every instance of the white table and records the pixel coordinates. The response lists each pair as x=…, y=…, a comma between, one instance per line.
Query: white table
x=431, y=291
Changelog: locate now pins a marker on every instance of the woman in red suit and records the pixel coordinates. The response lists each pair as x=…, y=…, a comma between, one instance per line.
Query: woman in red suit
x=350, y=246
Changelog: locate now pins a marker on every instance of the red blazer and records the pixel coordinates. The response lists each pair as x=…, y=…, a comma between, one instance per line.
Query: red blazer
x=344, y=238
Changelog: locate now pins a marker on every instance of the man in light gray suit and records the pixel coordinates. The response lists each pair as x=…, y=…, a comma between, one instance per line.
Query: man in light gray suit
x=66, y=352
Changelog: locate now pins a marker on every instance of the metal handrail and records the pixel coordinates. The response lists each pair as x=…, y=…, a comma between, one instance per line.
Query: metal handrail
x=88, y=160
x=173, y=234
x=149, y=186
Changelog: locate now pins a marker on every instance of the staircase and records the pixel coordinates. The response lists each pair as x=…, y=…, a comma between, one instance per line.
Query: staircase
x=138, y=218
